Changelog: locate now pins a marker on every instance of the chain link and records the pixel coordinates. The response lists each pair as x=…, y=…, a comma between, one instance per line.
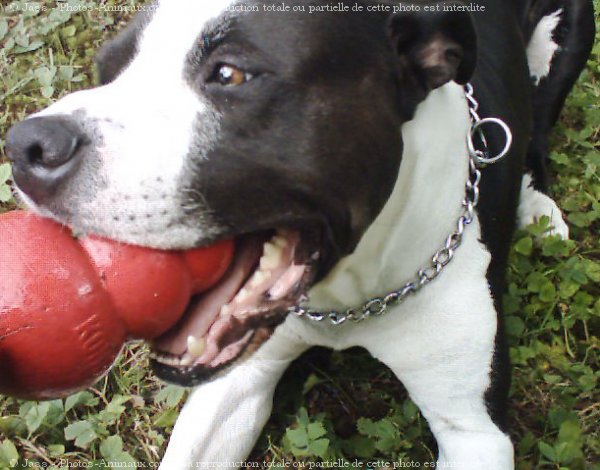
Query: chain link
x=378, y=306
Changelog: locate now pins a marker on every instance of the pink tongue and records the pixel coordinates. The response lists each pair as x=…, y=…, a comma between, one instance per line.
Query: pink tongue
x=205, y=309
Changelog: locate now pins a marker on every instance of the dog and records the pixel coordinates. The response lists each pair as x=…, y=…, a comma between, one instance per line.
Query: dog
x=332, y=145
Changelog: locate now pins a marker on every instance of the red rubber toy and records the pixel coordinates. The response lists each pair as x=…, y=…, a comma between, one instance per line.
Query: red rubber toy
x=67, y=306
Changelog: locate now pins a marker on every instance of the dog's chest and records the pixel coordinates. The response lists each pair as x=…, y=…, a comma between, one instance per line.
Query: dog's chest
x=421, y=213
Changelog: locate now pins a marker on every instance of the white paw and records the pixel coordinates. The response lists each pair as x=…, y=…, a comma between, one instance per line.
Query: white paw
x=534, y=204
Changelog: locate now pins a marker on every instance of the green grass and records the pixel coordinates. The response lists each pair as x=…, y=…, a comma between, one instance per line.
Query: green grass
x=333, y=405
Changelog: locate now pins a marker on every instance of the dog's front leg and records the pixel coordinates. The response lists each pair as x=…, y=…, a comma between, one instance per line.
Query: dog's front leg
x=441, y=343
x=450, y=392
x=223, y=418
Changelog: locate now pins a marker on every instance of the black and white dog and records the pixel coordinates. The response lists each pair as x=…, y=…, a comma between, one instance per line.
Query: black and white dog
x=332, y=145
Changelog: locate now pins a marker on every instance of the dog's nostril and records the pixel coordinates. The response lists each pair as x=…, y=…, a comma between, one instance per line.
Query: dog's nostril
x=45, y=151
x=35, y=154
x=47, y=141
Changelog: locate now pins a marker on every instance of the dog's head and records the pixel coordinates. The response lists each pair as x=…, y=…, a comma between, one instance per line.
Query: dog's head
x=281, y=129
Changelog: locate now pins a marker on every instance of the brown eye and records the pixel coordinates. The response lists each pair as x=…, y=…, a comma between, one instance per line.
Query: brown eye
x=228, y=75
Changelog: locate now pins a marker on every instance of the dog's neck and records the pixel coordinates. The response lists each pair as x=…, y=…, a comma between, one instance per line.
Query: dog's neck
x=420, y=213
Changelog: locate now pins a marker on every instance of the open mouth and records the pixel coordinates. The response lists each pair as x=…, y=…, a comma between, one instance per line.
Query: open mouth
x=270, y=273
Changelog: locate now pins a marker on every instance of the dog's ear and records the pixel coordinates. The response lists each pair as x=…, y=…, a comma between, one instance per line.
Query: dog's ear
x=116, y=55
x=434, y=44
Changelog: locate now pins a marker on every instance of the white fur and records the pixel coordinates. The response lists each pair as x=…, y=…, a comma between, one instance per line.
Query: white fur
x=439, y=343
x=541, y=47
x=146, y=122
x=222, y=419
x=534, y=204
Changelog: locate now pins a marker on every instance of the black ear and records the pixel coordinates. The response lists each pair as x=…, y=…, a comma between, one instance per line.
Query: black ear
x=435, y=44
x=116, y=55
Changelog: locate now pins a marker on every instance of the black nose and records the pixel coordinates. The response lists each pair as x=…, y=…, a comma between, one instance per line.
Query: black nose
x=45, y=152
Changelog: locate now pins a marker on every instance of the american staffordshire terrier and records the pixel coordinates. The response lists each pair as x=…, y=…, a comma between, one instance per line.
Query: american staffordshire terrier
x=333, y=146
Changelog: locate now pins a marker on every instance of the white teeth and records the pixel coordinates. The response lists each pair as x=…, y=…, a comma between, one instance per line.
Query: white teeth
x=187, y=360
x=271, y=249
x=225, y=310
x=271, y=256
x=196, y=346
x=170, y=361
x=242, y=295
x=279, y=241
x=259, y=277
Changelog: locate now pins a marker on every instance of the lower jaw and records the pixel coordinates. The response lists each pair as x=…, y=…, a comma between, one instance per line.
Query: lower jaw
x=244, y=322
x=193, y=375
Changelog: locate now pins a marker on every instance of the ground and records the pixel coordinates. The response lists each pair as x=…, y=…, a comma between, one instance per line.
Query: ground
x=330, y=405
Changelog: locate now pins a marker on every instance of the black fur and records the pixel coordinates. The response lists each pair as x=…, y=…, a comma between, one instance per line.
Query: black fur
x=329, y=76
x=575, y=36
x=313, y=139
x=115, y=55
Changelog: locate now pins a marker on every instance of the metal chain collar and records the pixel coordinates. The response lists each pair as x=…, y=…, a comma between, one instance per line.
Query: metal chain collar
x=378, y=306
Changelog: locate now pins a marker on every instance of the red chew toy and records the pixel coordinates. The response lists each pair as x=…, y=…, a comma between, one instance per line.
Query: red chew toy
x=67, y=306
